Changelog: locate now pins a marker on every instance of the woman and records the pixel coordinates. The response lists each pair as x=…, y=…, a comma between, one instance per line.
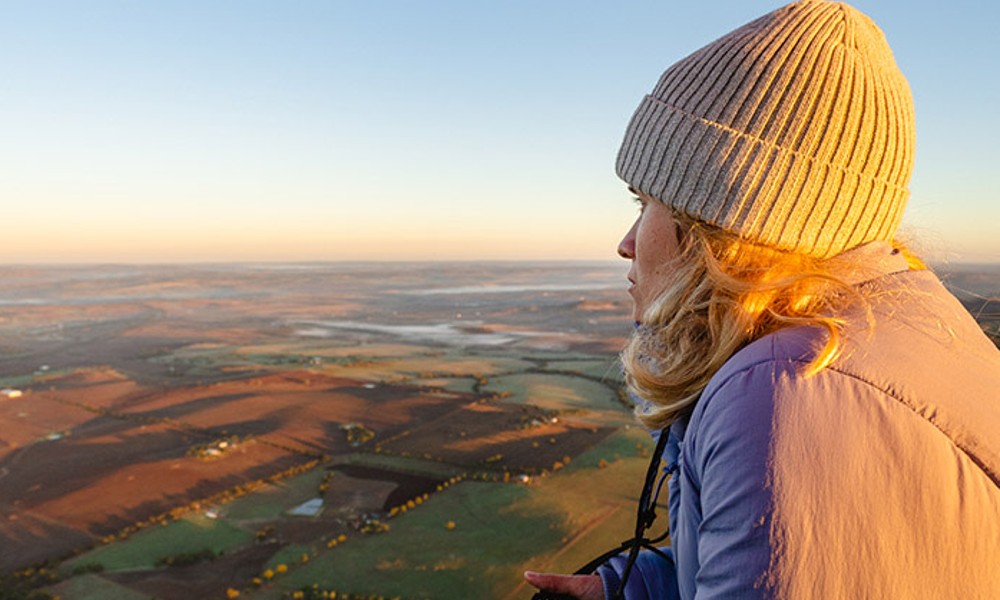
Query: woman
x=832, y=413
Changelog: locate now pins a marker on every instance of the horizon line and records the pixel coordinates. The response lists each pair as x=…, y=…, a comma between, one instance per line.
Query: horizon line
x=382, y=261
x=330, y=261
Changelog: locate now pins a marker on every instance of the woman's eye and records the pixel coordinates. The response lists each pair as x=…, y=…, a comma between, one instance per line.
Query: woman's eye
x=640, y=203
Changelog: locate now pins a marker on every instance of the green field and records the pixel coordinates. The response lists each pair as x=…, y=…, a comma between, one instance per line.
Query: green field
x=273, y=500
x=558, y=523
x=38, y=377
x=92, y=587
x=196, y=532
x=17, y=381
x=463, y=384
x=421, y=558
x=290, y=555
x=141, y=551
x=415, y=466
x=602, y=369
x=577, y=398
x=419, y=368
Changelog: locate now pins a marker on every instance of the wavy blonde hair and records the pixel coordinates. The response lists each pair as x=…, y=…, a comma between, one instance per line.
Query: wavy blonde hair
x=724, y=293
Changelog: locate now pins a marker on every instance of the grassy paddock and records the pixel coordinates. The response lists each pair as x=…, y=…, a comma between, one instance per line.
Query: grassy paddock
x=559, y=392
x=290, y=556
x=411, y=368
x=462, y=384
x=16, y=381
x=603, y=369
x=558, y=523
x=579, y=399
x=92, y=587
x=598, y=503
x=141, y=551
x=629, y=442
x=272, y=500
x=404, y=464
x=460, y=364
x=421, y=557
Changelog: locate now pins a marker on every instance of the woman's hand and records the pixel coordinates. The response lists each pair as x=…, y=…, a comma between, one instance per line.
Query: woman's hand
x=582, y=587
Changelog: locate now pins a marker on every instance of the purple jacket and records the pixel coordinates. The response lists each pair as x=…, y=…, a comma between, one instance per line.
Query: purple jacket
x=879, y=477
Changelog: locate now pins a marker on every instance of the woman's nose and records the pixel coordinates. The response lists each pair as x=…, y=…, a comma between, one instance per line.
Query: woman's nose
x=626, y=247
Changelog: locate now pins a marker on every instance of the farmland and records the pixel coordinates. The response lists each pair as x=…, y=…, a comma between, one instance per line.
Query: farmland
x=298, y=431
x=206, y=432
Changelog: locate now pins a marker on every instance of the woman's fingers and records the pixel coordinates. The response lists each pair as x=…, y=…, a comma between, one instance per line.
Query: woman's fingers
x=583, y=587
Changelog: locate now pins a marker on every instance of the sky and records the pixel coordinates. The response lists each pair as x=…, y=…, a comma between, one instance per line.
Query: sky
x=197, y=130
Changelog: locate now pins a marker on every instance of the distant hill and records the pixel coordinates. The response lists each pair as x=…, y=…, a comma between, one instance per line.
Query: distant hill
x=978, y=288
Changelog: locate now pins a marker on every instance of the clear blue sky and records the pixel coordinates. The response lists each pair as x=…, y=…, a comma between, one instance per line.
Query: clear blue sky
x=179, y=130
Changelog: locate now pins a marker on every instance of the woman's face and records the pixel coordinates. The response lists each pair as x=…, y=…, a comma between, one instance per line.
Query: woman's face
x=651, y=244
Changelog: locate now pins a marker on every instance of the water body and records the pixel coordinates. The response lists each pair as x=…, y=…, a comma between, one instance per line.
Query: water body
x=515, y=289
x=467, y=333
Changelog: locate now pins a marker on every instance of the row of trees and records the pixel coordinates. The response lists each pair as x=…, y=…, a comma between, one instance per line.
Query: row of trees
x=185, y=559
x=23, y=584
x=222, y=497
x=316, y=593
x=368, y=524
x=499, y=474
x=357, y=434
x=418, y=500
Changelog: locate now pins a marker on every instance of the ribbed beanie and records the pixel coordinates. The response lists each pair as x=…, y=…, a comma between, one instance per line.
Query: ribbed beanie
x=795, y=131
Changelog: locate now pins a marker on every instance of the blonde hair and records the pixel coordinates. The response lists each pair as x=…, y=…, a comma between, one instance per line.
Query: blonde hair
x=724, y=293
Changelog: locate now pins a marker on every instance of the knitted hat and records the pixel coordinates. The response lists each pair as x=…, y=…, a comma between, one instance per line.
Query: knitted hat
x=794, y=131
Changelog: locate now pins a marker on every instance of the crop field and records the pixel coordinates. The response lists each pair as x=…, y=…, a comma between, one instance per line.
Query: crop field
x=211, y=431
x=190, y=534
x=207, y=433
x=455, y=493
x=92, y=587
x=461, y=472
x=269, y=502
x=476, y=539
x=473, y=538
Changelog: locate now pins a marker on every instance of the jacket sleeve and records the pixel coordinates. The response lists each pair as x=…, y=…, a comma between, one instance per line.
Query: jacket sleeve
x=726, y=501
x=652, y=577
x=721, y=527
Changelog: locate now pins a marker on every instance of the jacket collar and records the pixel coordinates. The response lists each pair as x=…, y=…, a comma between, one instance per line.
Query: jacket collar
x=870, y=261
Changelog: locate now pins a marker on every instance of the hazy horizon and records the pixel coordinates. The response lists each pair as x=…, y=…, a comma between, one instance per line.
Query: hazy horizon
x=251, y=263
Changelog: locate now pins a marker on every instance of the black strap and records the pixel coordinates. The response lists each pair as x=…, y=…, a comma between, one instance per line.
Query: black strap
x=645, y=516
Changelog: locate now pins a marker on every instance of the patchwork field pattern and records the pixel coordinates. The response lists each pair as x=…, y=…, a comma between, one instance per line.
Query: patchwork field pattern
x=316, y=431
x=266, y=432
